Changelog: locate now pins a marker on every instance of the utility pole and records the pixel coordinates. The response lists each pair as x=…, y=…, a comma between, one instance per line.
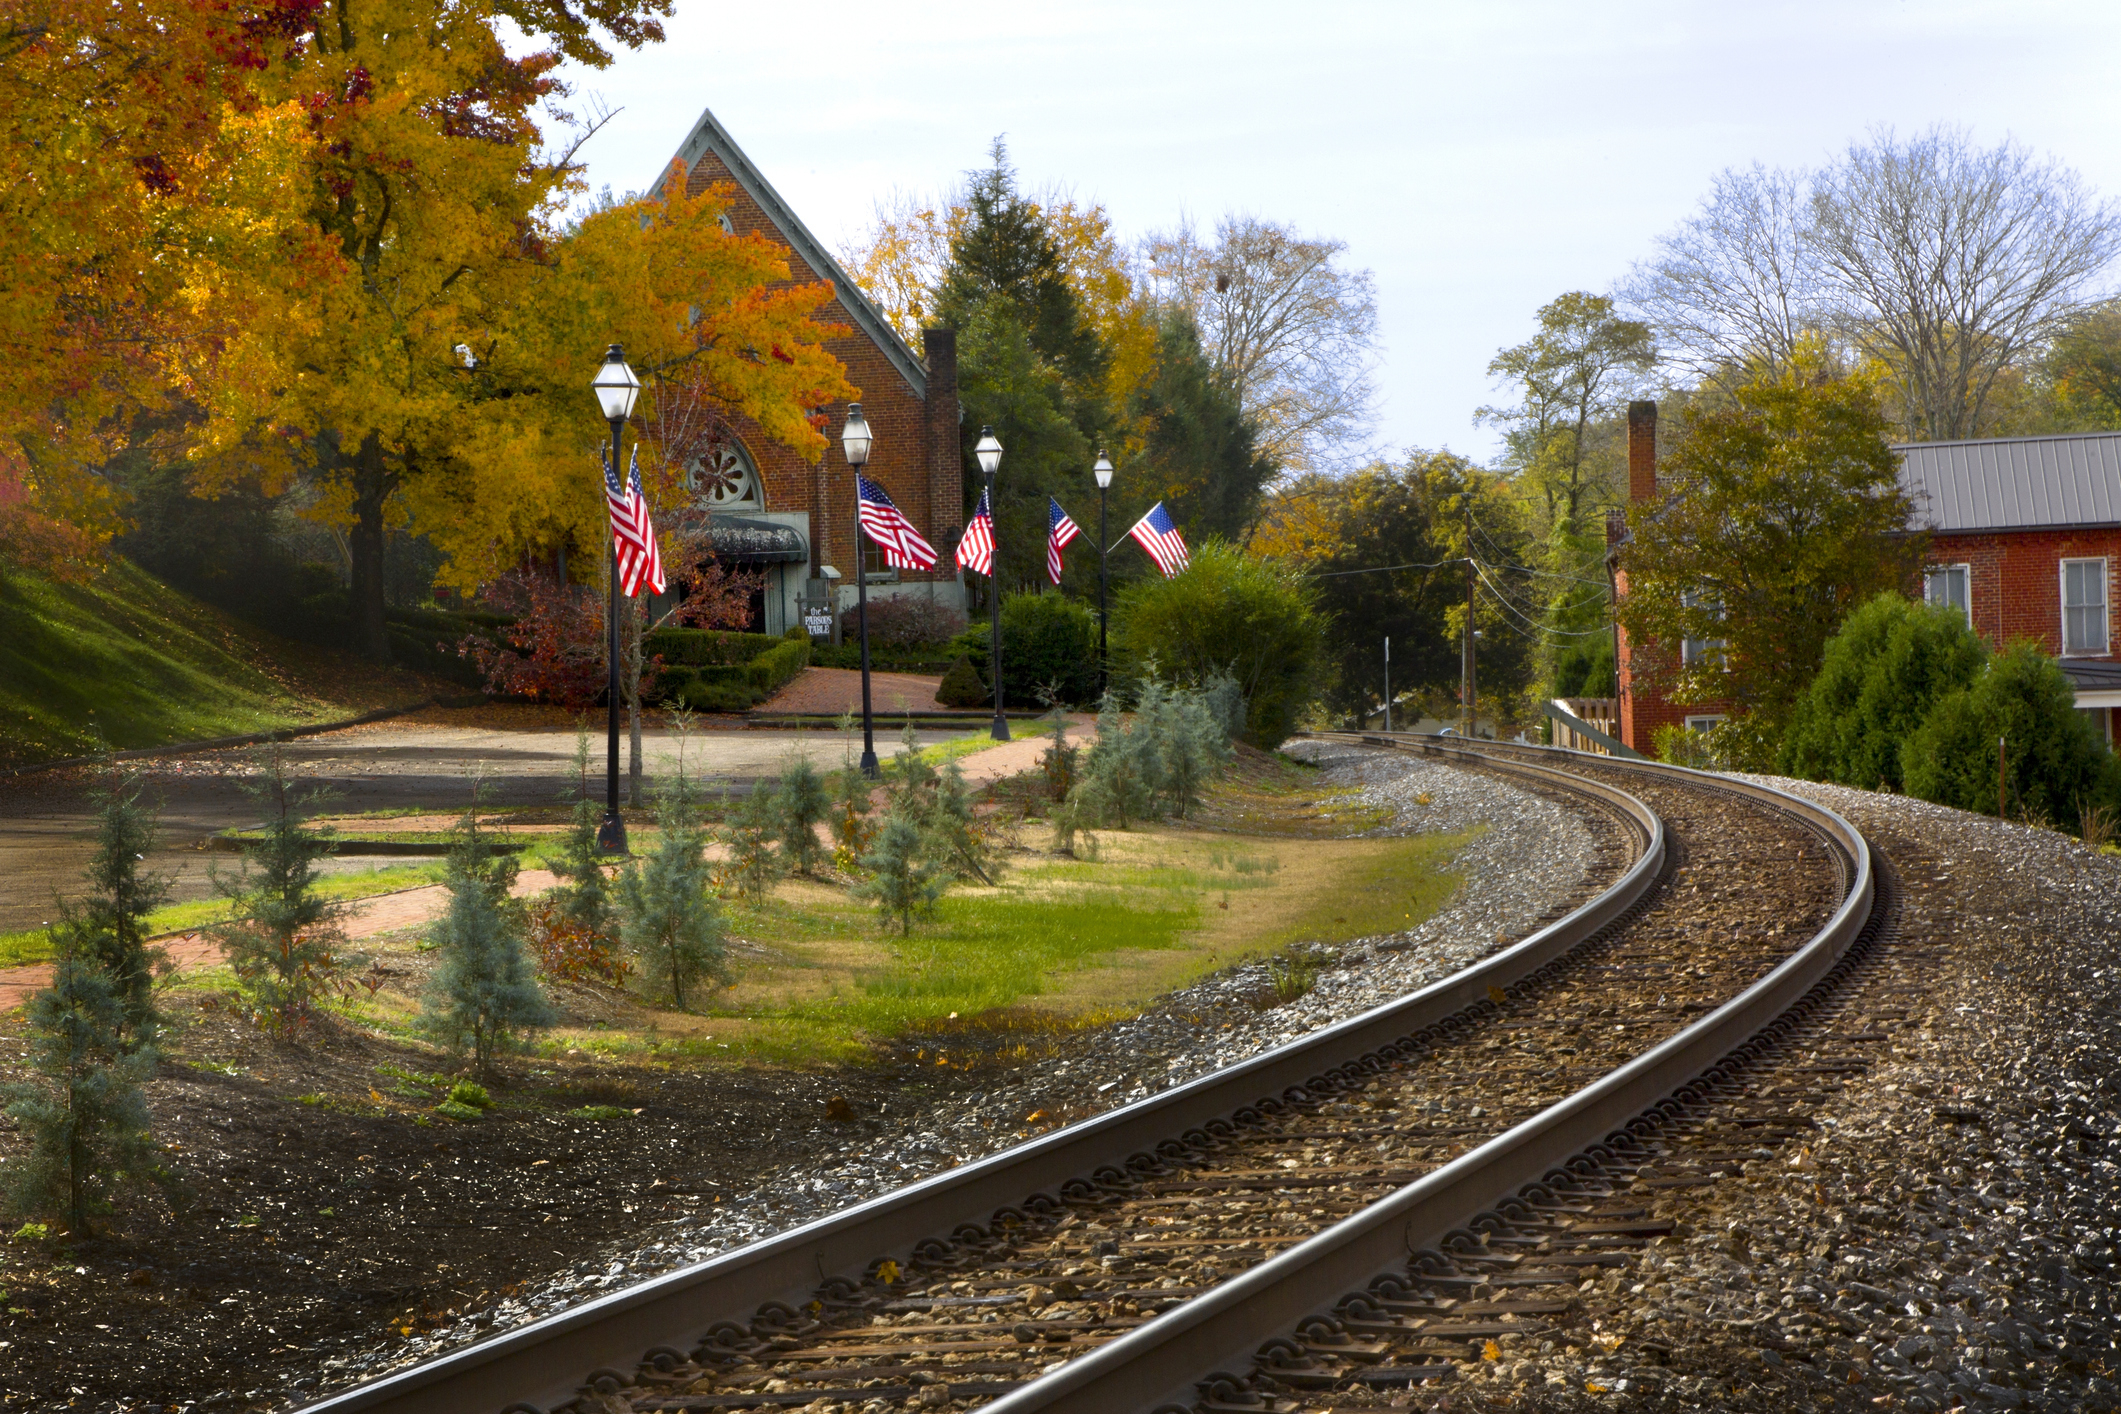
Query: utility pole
x=1467, y=684
x=1388, y=682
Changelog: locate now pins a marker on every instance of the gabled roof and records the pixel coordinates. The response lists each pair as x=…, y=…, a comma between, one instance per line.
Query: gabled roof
x=2014, y=483
x=708, y=135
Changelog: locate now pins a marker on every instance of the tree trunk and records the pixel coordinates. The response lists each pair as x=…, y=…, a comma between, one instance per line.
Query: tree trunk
x=372, y=486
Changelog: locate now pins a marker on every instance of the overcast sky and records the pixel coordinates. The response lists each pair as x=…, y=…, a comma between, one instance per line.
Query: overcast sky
x=1480, y=158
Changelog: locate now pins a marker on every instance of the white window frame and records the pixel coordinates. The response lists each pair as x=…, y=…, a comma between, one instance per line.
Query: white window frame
x=1967, y=571
x=1705, y=721
x=2105, y=607
x=1695, y=652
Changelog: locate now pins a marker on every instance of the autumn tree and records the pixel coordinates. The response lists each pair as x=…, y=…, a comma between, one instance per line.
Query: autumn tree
x=434, y=367
x=127, y=165
x=1582, y=365
x=1778, y=514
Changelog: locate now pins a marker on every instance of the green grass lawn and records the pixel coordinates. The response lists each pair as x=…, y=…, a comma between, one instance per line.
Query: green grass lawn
x=33, y=945
x=125, y=661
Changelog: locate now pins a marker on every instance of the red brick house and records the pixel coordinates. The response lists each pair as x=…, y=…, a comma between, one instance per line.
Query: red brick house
x=796, y=522
x=2025, y=539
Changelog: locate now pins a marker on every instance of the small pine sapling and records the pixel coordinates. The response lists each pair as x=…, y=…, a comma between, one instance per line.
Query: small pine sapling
x=950, y=828
x=804, y=805
x=1060, y=757
x=281, y=933
x=483, y=995
x=754, y=821
x=910, y=776
x=902, y=883
x=669, y=918
x=585, y=898
x=85, y=1118
x=111, y=922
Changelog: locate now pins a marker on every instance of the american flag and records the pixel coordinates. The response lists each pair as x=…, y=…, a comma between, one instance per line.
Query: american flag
x=1059, y=531
x=1155, y=533
x=631, y=530
x=887, y=525
x=975, y=548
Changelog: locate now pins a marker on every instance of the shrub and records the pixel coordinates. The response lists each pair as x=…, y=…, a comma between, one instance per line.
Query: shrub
x=1255, y=621
x=85, y=1118
x=905, y=621
x=281, y=933
x=963, y=686
x=2054, y=762
x=1158, y=763
x=482, y=996
x=1049, y=650
x=567, y=950
x=668, y=917
x=1890, y=664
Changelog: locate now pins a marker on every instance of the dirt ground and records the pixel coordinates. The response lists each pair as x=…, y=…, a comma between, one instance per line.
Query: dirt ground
x=291, y=1228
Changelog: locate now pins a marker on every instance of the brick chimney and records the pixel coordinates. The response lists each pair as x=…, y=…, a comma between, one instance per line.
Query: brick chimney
x=1642, y=451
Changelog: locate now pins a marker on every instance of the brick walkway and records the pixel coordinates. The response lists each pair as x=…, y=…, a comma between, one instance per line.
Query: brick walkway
x=831, y=691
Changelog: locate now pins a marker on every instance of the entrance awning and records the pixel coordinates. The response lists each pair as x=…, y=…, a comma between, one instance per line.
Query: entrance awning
x=743, y=540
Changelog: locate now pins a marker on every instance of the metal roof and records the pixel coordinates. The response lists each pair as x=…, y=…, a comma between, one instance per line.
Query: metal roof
x=708, y=135
x=2014, y=483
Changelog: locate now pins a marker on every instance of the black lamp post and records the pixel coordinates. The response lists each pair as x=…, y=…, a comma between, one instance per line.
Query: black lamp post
x=616, y=388
x=854, y=441
x=1103, y=472
x=989, y=453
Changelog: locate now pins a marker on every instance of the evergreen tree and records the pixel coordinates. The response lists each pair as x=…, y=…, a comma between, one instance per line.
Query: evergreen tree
x=483, y=993
x=586, y=897
x=1030, y=366
x=1201, y=457
x=111, y=923
x=668, y=915
x=803, y=803
x=281, y=932
x=1878, y=679
x=902, y=882
x=85, y=1119
x=754, y=822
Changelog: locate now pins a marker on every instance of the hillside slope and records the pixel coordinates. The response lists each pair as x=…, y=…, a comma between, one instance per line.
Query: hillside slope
x=128, y=661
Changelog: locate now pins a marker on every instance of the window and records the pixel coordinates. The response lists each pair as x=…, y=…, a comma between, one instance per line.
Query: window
x=726, y=479
x=1947, y=586
x=1704, y=723
x=874, y=570
x=1701, y=652
x=2084, y=606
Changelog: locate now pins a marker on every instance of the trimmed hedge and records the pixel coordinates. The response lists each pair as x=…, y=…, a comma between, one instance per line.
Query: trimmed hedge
x=713, y=686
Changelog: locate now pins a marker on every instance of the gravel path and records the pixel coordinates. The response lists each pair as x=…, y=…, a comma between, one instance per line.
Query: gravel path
x=1533, y=855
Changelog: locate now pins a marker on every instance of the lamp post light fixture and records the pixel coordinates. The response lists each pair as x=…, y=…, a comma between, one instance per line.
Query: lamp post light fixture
x=989, y=453
x=855, y=441
x=616, y=389
x=1103, y=472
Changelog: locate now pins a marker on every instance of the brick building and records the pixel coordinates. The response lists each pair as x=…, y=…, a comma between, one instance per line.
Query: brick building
x=2025, y=539
x=796, y=522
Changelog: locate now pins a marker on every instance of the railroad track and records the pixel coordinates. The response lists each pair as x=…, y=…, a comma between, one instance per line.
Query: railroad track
x=1437, y=1173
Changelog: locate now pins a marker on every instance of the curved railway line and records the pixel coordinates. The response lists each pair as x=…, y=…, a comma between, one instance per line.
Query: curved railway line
x=1356, y=1213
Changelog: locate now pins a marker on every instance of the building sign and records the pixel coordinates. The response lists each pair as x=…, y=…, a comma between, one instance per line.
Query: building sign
x=818, y=622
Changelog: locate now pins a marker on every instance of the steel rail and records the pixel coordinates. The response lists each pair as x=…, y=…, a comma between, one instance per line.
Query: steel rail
x=545, y=1362
x=1159, y=1364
